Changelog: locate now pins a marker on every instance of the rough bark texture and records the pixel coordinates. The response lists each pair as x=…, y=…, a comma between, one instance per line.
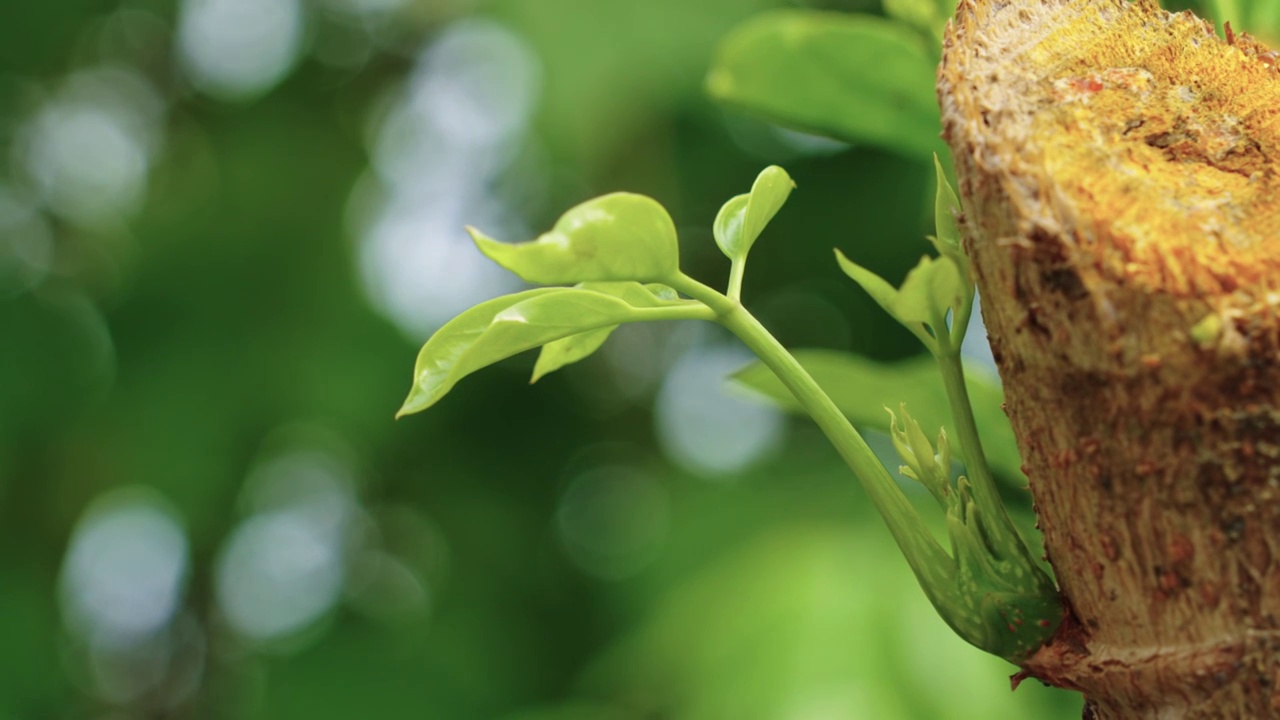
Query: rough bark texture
x=1118, y=166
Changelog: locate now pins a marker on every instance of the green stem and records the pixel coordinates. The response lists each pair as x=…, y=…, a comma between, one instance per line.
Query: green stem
x=737, y=269
x=690, y=311
x=931, y=564
x=985, y=492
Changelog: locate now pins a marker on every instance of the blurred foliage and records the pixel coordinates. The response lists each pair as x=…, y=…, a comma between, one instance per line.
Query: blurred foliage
x=195, y=336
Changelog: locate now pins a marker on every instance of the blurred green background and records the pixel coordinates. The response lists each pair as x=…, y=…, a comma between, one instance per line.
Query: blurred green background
x=225, y=228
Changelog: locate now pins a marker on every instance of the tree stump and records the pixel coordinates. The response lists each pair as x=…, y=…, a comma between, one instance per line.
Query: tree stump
x=1118, y=166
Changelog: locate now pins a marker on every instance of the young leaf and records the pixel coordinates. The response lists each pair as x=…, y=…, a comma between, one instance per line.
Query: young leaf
x=855, y=77
x=945, y=207
x=862, y=388
x=566, y=351
x=932, y=288
x=557, y=354
x=502, y=327
x=744, y=217
x=728, y=228
x=621, y=236
x=446, y=347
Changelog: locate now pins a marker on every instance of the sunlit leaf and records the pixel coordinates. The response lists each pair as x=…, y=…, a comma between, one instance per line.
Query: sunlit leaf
x=505, y=326
x=862, y=388
x=744, y=217
x=559, y=353
x=621, y=236
x=854, y=77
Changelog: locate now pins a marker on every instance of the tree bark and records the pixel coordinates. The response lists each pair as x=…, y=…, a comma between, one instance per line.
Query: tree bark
x=1118, y=169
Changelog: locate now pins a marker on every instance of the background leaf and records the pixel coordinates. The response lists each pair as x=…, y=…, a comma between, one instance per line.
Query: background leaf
x=854, y=77
x=862, y=388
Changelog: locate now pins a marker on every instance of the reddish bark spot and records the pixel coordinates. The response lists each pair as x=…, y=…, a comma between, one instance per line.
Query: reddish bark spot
x=1209, y=594
x=1181, y=550
x=1109, y=547
x=1064, y=459
x=1086, y=84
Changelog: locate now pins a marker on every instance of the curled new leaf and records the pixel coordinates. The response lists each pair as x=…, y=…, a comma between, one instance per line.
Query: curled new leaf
x=502, y=327
x=621, y=236
x=744, y=217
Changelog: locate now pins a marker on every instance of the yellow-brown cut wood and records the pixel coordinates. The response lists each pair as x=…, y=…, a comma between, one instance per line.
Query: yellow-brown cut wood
x=1120, y=169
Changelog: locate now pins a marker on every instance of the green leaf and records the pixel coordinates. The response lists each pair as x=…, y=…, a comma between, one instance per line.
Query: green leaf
x=728, y=228
x=854, y=77
x=945, y=207
x=505, y=326
x=862, y=388
x=922, y=14
x=566, y=351
x=885, y=295
x=744, y=217
x=934, y=286
x=621, y=236
x=559, y=353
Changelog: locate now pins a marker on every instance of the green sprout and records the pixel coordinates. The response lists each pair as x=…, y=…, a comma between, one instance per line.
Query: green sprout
x=615, y=260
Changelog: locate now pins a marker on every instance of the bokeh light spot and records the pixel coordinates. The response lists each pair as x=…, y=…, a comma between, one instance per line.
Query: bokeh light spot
x=284, y=567
x=703, y=427
x=88, y=149
x=124, y=572
x=438, y=150
x=278, y=575
x=238, y=49
x=613, y=521
x=26, y=243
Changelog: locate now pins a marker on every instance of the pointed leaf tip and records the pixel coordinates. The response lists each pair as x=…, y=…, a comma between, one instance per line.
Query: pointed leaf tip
x=502, y=327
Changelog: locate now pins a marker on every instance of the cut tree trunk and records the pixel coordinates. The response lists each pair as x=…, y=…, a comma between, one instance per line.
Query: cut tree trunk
x=1119, y=169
